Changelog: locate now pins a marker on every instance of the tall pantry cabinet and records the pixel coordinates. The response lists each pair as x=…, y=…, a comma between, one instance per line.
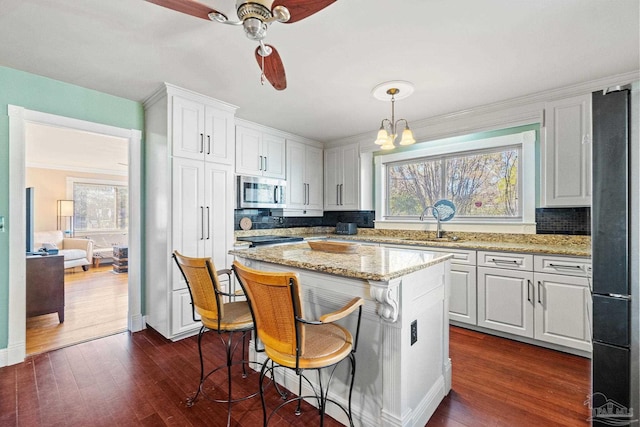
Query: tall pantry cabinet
x=189, y=157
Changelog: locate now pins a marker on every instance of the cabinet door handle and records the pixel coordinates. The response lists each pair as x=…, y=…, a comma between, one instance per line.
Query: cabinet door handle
x=201, y=143
x=505, y=261
x=202, y=222
x=265, y=164
x=337, y=194
x=208, y=223
x=208, y=144
x=341, y=194
x=308, y=194
x=567, y=267
x=529, y=290
x=539, y=292
x=260, y=167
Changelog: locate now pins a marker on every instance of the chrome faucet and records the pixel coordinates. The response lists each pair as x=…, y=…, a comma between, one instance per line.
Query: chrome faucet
x=435, y=210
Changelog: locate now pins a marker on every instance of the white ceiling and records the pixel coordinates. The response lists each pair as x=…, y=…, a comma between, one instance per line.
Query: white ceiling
x=73, y=150
x=458, y=53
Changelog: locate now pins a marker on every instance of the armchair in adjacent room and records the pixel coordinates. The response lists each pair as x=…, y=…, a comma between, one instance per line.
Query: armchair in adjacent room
x=77, y=252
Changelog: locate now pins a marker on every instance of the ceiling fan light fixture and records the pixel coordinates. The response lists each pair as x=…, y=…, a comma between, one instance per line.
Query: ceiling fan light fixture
x=254, y=28
x=281, y=14
x=218, y=17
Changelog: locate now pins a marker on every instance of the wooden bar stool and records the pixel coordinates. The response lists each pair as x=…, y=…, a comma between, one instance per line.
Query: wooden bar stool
x=292, y=341
x=226, y=319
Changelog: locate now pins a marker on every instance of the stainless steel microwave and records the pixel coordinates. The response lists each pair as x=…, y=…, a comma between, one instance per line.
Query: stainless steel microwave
x=257, y=192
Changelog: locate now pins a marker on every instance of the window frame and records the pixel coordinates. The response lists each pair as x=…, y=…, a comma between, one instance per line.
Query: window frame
x=71, y=181
x=526, y=175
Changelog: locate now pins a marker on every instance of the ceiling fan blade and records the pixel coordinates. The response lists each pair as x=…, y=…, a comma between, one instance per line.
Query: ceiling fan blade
x=190, y=7
x=301, y=9
x=273, y=68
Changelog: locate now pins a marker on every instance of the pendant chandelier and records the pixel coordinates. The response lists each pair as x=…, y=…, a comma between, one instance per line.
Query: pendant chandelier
x=389, y=128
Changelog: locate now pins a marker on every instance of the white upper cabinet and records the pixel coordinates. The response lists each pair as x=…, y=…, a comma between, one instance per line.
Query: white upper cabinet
x=342, y=178
x=566, y=153
x=304, y=180
x=200, y=131
x=259, y=153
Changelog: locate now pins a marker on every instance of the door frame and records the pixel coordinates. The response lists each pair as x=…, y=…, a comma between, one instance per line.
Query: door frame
x=18, y=117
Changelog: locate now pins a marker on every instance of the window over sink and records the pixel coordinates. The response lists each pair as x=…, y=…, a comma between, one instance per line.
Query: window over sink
x=490, y=180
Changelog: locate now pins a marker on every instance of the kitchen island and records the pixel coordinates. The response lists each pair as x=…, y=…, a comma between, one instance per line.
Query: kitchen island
x=403, y=366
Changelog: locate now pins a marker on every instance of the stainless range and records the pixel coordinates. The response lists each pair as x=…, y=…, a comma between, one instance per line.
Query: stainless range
x=269, y=240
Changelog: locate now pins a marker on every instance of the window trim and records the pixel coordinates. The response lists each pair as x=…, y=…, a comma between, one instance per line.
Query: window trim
x=446, y=147
x=75, y=180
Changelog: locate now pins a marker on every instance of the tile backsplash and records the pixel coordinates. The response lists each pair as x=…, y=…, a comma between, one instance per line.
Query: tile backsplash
x=572, y=221
x=264, y=219
x=575, y=221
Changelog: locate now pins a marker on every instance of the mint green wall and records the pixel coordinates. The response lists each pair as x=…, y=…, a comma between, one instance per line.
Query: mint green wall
x=49, y=96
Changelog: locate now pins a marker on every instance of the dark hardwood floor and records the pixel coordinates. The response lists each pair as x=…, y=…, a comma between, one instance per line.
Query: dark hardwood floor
x=143, y=379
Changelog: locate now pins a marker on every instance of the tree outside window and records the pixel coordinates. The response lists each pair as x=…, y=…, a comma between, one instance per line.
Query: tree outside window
x=480, y=184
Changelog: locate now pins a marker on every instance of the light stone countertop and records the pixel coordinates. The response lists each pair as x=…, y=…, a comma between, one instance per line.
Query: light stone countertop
x=557, y=244
x=368, y=262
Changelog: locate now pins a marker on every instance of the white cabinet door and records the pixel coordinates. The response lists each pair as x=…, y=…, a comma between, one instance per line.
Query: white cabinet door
x=566, y=153
x=304, y=177
x=506, y=300
x=296, y=180
x=248, y=151
x=342, y=178
x=219, y=205
x=219, y=140
x=350, y=190
x=562, y=313
x=314, y=177
x=273, y=151
x=187, y=128
x=332, y=178
x=182, y=314
x=188, y=212
x=259, y=153
x=462, y=298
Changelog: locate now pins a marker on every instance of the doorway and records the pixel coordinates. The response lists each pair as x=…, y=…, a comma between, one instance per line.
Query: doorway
x=18, y=118
x=89, y=172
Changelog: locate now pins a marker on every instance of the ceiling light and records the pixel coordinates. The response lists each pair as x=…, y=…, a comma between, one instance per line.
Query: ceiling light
x=389, y=128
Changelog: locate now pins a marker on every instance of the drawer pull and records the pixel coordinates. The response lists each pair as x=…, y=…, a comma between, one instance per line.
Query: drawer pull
x=505, y=261
x=567, y=267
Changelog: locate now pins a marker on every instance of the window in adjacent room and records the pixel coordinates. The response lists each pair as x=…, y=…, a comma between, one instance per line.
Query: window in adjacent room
x=100, y=207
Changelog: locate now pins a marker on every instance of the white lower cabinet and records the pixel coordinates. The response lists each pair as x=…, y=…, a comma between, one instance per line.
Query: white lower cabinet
x=505, y=300
x=543, y=297
x=462, y=292
x=182, y=321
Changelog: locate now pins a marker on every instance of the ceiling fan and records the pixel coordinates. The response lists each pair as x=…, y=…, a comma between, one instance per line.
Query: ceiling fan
x=255, y=16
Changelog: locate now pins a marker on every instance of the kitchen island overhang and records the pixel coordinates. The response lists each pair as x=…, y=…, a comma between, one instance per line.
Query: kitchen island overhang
x=403, y=366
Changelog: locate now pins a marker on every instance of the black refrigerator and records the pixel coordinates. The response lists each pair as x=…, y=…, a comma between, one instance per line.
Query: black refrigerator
x=615, y=289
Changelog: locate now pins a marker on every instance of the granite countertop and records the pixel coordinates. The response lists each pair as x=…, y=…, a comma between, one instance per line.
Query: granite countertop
x=368, y=262
x=580, y=249
x=555, y=244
